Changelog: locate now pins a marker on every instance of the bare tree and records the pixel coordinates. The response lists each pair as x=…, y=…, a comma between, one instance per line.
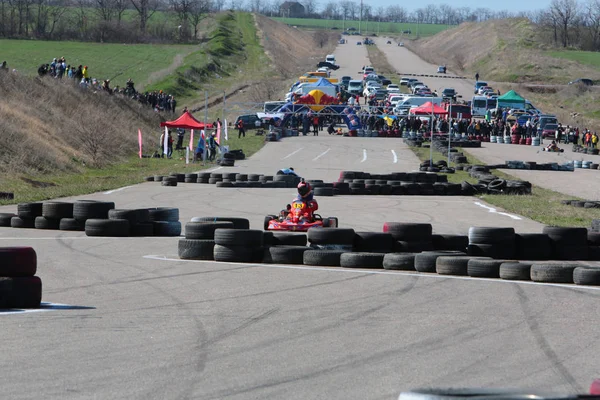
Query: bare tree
x=145, y=10
x=565, y=12
x=310, y=7
x=592, y=21
x=331, y=10
x=198, y=12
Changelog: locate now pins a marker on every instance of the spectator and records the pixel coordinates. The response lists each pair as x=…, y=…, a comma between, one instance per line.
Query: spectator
x=43, y=69
x=199, y=154
x=240, y=128
x=86, y=74
x=212, y=147
x=4, y=66
x=180, y=136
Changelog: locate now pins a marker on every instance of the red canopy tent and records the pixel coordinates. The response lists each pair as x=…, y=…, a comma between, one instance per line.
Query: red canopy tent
x=186, y=121
x=426, y=109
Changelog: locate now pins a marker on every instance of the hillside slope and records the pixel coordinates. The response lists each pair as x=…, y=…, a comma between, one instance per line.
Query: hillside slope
x=506, y=50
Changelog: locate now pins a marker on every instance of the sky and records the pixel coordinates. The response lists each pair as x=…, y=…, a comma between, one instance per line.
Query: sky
x=510, y=5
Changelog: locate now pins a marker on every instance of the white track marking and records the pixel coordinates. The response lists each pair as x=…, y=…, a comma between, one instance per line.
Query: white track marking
x=494, y=211
x=117, y=190
x=291, y=154
x=379, y=272
x=395, y=156
x=364, y=156
x=321, y=155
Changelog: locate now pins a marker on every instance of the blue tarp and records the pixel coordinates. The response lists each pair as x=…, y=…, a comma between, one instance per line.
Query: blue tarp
x=323, y=82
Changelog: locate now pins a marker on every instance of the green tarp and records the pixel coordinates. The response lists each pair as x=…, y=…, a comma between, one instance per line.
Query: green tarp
x=510, y=98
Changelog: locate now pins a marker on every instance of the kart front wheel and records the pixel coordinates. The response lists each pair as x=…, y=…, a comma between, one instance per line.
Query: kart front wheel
x=268, y=219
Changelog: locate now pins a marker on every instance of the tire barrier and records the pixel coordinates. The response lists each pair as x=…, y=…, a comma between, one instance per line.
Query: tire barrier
x=532, y=165
x=585, y=150
x=489, y=183
x=486, y=252
x=96, y=218
x=19, y=287
x=398, y=183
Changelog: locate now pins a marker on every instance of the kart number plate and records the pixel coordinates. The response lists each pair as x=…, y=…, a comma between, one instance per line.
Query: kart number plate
x=298, y=205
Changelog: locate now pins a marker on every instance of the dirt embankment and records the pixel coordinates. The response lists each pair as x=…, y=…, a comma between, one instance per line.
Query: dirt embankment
x=48, y=126
x=508, y=50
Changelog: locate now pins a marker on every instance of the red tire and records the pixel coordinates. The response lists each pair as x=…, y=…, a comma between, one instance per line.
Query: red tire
x=17, y=261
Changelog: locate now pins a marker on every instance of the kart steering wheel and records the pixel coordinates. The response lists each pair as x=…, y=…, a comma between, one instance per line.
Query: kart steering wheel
x=317, y=217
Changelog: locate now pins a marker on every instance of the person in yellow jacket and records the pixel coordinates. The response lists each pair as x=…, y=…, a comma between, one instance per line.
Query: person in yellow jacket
x=594, y=140
x=86, y=74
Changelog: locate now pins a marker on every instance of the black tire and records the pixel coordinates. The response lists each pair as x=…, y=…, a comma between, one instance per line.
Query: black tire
x=497, y=184
x=268, y=220
x=18, y=261
x=450, y=242
x=158, y=178
x=166, y=228
x=239, y=237
x=425, y=262
x=192, y=176
x=485, y=235
x=483, y=268
x=323, y=191
x=195, y=249
x=533, y=246
x=134, y=216
x=71, y=224
x=586, y=276
x=91, y=209
x=169, y=182
x=143, y=229
x=238, y=223
x=593, y=238
x=205, y=230
x=213, y=181
x=287, y=254
x=594, y=253
x=562, y=252
x=344, y=236
x=373, y=242
x=289, y=239
x=18, y=222
x=498, y=251
x=215, y=175
x=225, y=184
x=179, y=177
x=190, y=180
x=163, y=214
x=237, y=253
x=515, y=271
x=399, y=261
x=202, y=180
x=20, y=292
x=241, y=177
x=5, y=218
x=566, y=236
x=553, y=272
x=402, y=246
x=409, y=231
x=57, y=209
x=107, y=227
x=323, y=258
x=29, y=210
x=204, y=175
x=361, y=260
x=46, y=223
x=452, y=265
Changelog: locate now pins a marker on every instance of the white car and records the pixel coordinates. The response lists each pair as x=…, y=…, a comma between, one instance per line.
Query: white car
x=404, y=81
x=370, y=91
x=372, y=84
x=392, y=86
x=419, y=87
x=395, y=99
x=393, y=90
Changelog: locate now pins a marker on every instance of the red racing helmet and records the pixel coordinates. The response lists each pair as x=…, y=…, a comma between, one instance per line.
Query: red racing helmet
x=304, y=188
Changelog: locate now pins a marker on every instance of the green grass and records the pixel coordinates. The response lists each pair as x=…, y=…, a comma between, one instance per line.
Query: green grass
x=117, y=62
x=366, y=26
x=542, y=205
x=591, y=58
x=131, y=172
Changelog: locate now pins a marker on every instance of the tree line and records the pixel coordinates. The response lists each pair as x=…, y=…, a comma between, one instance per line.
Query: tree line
x=568, y=23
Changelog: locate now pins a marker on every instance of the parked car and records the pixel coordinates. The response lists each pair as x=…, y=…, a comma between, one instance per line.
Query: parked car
x=479, y=84
x=249, y=121
x=389, y=42
x=401, y=44
x=441, y=69
x=449, y=93
x=391, y=86
x=404, y=81
x=583, y=81
x=549, y=130
x=384, y=81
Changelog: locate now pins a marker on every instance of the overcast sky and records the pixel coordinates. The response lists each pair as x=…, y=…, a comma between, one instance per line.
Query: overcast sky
x=510, y=5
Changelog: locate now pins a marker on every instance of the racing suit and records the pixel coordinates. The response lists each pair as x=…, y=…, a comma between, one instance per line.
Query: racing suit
x=311, y=204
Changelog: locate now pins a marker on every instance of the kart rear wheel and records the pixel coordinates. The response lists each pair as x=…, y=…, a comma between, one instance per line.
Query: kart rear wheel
x=268, y=219
x=331, y=222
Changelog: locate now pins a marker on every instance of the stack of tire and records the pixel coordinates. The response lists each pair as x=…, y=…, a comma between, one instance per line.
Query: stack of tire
x=291, y=181
x=19, y=287
x=568, y=243
x=199, y=242
x=228, y=160
x=238, y=245
x=203, y=177
x=284, y=247
x=138, y=220
x=102, y=219
x=7, y=196
x=498, y=243
x=398, y=183
x=410, y=237
x=321, y=188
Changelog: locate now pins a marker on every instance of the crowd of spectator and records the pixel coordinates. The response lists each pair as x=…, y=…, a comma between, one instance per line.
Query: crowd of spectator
x=59, y=69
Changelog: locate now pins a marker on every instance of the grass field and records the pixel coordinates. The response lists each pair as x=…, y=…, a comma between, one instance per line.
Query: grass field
x=591, y=58
x=117, y=62
x=542, y=205
x=366, y=26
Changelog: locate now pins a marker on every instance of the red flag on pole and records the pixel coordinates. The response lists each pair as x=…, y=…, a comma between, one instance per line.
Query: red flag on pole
x=140, y=142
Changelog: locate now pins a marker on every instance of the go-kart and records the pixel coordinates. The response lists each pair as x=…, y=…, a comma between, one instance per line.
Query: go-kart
x=298, y=217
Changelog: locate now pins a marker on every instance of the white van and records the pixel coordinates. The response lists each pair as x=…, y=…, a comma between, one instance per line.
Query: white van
x=330, y=58
x=355, y=87
x=403, y=106
x=479, y=106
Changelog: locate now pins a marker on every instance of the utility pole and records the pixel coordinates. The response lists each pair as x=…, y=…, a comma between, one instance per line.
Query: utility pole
x=360, y=17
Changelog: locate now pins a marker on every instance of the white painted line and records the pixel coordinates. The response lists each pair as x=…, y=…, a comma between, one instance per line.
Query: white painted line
x=117, y=190
x=291, y=154
x=395, y=156
x=380, y=272
x=494, y=211
x=364, y=156
x=321, y=155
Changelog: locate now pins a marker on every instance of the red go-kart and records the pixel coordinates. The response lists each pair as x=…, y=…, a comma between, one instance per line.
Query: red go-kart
x=299, y=217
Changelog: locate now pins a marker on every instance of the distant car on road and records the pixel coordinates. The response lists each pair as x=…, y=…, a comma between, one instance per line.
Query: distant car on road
x=389, y=42
x=449, y=93
x=441, y=69
x=583, y=81
x=358, y=43
x=549, y=130
x=401, y=44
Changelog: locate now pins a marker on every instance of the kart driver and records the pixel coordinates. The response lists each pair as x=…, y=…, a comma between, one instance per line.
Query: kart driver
x=305, y=194
x=287, y=171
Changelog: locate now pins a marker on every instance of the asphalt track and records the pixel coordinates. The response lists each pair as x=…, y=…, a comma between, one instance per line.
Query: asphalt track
x=159, y=327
